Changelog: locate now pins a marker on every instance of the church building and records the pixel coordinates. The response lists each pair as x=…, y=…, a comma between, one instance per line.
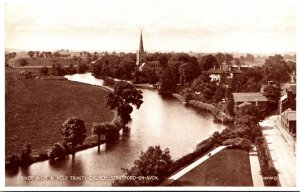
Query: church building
x=141, y=54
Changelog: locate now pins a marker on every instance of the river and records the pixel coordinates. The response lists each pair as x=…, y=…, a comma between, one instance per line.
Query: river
x=164, y=122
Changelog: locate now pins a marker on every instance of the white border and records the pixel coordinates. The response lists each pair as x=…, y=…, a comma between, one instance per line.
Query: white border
x=2, y=110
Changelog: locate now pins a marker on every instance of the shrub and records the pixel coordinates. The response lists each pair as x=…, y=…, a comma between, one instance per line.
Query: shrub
x=56, y=151
x=13, y=161
x=238, y=142
x=269, y=173
x=22, y=62
x=153, y=162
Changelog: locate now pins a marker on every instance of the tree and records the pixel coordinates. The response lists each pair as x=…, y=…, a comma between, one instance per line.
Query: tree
x=236, y=61
x=74, y=131
x=228, y=58
x=276, y=69
x=99, y=129
x=30, y=53
x=56, y=151
x=124, y=94
x=249, y=58
x=242, y=59
x=22, y=62
x=208, y=62
x=219, y=93
x=37, y=54
x=168, y=82
x=151, y=75
x=230, y=105
x=153, y=162
x=249, y=114
x=44, y=71
x=273, y=94
x=25, y=156
x=220, y=58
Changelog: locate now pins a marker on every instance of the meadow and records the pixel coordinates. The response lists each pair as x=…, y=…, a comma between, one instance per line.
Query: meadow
x=35, y=109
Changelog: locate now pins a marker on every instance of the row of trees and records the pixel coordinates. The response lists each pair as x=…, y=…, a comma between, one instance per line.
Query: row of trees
x=46, y=54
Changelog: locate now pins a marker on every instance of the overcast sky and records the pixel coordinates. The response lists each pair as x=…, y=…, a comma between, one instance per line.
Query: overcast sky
x=199, y=26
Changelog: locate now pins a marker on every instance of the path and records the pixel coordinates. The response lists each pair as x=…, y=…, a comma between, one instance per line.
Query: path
x=283, y=157
x=255, y=168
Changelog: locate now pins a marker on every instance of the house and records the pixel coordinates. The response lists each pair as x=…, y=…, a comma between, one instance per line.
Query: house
x=223, y=73
x=288, y=121
x=242, y=99
x=287, y=109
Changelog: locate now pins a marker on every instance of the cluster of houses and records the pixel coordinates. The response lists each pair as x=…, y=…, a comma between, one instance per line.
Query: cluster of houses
x=287, y=109
x=287, y=104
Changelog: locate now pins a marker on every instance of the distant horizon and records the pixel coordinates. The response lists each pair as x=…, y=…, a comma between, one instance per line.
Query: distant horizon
x=154, y=51
x=198, y=26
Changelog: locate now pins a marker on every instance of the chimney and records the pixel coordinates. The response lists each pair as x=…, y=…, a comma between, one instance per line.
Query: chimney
x=256, y=102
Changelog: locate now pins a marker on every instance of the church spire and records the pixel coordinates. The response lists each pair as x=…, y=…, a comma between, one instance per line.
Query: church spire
x=141, y=50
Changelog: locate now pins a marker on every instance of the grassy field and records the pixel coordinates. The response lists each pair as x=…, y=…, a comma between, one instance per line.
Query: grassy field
x=229, y=167
x=35, y=109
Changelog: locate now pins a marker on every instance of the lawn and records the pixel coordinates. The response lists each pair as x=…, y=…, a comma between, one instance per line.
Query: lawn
x=35, y=109
x=229, y=167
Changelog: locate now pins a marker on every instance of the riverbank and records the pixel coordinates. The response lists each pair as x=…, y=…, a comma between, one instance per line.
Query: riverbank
x=218, y=114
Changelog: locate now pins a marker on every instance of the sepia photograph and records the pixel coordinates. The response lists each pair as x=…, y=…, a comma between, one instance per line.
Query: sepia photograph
x=156, y=94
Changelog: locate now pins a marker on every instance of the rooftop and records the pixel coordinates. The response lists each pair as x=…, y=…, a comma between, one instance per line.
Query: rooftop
x=290, y=114
x=250, y=97
x=220, y=71
x=291, y=88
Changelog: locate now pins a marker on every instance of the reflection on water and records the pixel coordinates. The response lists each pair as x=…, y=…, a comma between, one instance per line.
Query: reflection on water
x=165, y=122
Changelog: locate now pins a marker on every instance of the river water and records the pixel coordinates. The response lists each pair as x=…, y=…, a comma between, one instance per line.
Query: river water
x=164, y=122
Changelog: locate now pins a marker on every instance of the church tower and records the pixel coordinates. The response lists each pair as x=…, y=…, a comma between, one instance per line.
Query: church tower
x=141, y=54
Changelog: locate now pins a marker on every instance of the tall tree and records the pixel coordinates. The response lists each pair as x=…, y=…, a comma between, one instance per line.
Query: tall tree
x=74, y=131
x=276, y=69
x=168, y=81
x=153, y=162
x=228, y=58
x=208, y=61
x=120, y=99
x=220, y=58
x=273, y=94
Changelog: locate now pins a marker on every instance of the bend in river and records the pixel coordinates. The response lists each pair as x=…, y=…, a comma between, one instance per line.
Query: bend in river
x=164, y=122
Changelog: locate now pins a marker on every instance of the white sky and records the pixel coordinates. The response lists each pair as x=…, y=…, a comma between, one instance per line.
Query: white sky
x=199, y=26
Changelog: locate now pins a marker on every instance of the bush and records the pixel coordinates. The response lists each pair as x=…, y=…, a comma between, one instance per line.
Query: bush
x=22, y=62
x=82, y=68
x=153, y=162
x=13, y=161
x=238, y=142
x=269, y=173
x=56, y=151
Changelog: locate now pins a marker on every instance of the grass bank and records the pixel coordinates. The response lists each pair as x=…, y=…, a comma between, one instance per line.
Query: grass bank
x=229, y=167
x=35, y=109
